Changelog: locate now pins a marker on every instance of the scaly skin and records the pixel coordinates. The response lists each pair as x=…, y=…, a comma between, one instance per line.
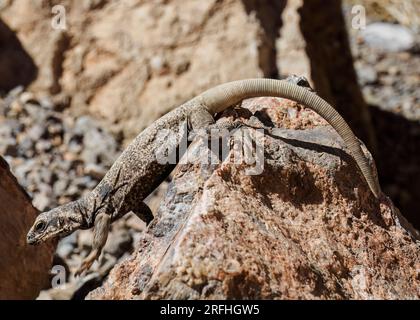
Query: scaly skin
x=137, y=172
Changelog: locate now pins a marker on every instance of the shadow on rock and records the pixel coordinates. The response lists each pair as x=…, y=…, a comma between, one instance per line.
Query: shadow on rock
x=398, y=161
x=16, y=66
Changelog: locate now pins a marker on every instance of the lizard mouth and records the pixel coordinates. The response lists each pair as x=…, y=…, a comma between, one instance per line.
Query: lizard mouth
x=32, y=240
x=35, y=239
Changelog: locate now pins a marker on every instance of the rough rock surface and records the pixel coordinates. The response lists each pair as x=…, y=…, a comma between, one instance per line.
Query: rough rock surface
x=116, y=61
x=24, y=270
x=307, y=227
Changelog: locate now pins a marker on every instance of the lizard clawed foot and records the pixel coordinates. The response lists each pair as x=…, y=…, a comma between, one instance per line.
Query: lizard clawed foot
x=87, y=262
x=100, y=234
x=216, y=131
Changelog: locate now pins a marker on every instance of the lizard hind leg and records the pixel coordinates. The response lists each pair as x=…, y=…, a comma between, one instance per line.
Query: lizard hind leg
x=100, y=235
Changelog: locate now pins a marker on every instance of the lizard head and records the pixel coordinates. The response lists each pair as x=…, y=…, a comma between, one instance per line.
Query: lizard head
x=60, y=221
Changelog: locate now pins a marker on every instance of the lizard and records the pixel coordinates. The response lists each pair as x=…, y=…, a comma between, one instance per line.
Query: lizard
x=137, y=171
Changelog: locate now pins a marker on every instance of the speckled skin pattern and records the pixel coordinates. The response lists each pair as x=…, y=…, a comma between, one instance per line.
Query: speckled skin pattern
x=137, y=172
x=133, y=176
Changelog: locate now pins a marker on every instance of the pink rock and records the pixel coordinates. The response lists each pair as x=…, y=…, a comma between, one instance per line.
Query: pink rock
x=306, y=228
x=24, y=269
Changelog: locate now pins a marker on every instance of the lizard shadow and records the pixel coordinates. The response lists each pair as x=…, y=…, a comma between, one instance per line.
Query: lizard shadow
x=398, y=160
x=306, y=192
x=345, y=182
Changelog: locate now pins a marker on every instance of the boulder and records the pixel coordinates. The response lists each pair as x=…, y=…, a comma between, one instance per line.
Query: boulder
x=24, y=269
x=306, y=227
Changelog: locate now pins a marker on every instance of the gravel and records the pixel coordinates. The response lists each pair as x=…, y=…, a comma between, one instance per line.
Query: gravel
x=57, y=158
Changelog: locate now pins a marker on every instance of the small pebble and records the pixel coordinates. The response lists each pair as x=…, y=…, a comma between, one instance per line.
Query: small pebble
x=40, y=201
x=95, y=171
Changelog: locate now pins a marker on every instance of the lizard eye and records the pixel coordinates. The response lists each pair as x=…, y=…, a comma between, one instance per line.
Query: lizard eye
x=40, y=226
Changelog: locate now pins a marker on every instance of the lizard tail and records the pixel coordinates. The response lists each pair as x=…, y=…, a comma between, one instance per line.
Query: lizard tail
x=221, y=97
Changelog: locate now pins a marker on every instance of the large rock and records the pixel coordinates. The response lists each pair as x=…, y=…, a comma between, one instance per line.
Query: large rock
x=307, y=227
x=117, y=61
x=24, y=270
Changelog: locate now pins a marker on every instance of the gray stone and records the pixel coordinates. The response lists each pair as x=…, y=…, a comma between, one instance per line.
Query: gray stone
x=388, y=37
x=84, y=239
x=366, y=75
x=45, y=188
x=60, y=186
x=72, y=190
x=6, y=131
x=36, y=114
x=28, y=97
x=7, y=140
x=43, y=146
x=100, y=147
x=41, y=201
x=22, y=170
x=83, y=182
x=118, y=242
x=14, y=93
x=9, y=148
x=74, y=147
x=46, y=103
x=12, y=127
x=65, y=165
x=83, y=125
x=36, y=132
x=26, y=147
x=70, y=239
x=95, y=171
x=64, y=250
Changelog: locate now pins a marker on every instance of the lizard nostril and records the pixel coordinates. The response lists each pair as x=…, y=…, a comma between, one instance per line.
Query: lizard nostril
x=29, y=239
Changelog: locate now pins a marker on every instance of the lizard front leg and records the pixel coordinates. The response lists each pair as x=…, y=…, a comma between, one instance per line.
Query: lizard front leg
x=100, y=235
x=201, y=123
